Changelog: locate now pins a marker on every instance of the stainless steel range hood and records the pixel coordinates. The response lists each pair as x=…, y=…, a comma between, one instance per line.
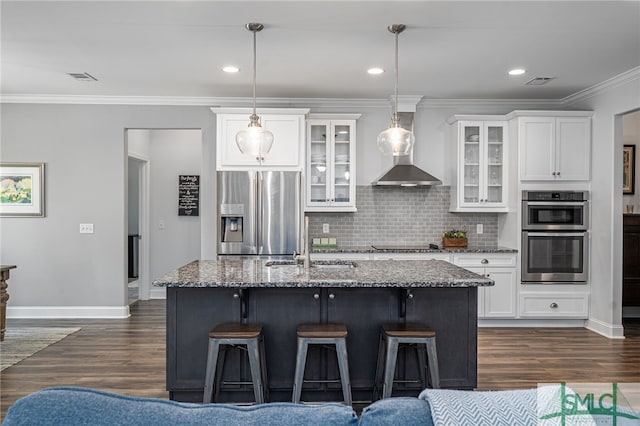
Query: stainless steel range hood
x=404, y=172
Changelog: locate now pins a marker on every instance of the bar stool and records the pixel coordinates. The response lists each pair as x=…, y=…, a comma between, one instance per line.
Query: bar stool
x=393, y=335
x=249, y=335
x=322, y=334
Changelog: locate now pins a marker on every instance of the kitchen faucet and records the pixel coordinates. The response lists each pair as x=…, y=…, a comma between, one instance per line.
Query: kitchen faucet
x=306, y=254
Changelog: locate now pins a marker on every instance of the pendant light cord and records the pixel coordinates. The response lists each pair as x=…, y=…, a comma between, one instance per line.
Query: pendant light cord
x=395, y=110
x=254, y=72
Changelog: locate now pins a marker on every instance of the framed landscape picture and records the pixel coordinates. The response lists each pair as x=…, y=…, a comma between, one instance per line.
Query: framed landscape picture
x=629, y=169
x=22, y=189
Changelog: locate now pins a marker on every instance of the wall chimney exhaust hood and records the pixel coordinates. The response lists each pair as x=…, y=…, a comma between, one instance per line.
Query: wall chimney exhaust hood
x=404, y=172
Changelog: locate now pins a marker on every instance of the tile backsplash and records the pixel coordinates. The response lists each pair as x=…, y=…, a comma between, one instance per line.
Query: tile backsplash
x=403, y=216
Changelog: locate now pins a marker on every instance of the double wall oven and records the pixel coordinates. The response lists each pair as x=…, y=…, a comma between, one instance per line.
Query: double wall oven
x=555, y=237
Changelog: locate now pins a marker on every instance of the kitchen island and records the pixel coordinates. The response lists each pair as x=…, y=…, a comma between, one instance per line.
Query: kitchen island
x=278, y=295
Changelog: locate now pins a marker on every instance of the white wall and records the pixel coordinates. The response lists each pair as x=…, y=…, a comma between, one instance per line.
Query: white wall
x=60, y=271
x=174, y=240
x=606, y=200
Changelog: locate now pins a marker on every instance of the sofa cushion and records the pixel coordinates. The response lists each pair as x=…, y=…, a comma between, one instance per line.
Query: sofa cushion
x=397, y=411
x=72, y=406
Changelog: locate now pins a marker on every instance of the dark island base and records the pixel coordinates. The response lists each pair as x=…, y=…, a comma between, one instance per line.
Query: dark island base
x=192, y=312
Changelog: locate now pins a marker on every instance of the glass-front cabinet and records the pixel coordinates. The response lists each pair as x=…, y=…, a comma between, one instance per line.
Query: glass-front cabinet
x=480, y=174
x=331, y=171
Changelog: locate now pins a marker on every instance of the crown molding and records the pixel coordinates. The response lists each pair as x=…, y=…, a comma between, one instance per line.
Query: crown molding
x=620, y=79
x=190, y=101
x=504, y=103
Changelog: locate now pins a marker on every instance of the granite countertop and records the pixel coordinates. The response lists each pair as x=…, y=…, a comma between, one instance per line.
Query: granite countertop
x=246, y=273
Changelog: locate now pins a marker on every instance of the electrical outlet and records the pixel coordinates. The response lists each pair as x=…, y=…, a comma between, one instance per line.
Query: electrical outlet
x=479, y=228
x=325, y=228
x=161, y=224
x=86, y=228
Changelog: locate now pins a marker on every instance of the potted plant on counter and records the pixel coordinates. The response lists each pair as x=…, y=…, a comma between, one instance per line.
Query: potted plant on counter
x=454, y=239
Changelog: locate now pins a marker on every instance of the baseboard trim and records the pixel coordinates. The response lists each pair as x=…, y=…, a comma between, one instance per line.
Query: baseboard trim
x=607, y=330
x=158, y=293
x=551, y=323
x=68, y=312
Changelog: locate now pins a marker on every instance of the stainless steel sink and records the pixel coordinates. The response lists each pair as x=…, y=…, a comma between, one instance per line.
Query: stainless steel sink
x=320, y=264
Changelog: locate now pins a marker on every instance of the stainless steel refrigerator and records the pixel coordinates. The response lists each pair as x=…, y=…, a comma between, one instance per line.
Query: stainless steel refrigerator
x=259, y=213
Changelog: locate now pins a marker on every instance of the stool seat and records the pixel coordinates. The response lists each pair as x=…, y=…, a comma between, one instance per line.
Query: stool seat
x=422, y=337
x=408, y=330
x=322, y=331
x=238, y=335
x=235, y=331
x=322, y=334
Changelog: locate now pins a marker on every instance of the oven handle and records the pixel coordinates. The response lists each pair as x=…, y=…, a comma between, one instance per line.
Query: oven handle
x=554, y=203
x=555, y=234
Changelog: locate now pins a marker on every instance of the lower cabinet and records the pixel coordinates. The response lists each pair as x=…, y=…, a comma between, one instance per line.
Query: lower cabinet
x=498, y=301
x=561, y=302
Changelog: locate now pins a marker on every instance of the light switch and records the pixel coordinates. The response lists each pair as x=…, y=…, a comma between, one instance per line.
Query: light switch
x=479, y=228
x=86, y=228
x=325, y=228
x=161, y=224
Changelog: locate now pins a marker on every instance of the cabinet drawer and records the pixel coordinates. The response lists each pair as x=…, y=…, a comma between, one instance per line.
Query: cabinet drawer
x=488, y=260
x=412, y=256
x=340, y=256
x=550, y=305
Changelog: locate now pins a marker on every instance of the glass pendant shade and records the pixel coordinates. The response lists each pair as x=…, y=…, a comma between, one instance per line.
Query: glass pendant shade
x=395, y=140
x=254, y=140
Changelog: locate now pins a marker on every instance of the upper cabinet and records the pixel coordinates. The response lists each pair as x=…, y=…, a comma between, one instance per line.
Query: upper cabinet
x=287, y=126
x=479, y=150
x=554, y=145
x=331, y=162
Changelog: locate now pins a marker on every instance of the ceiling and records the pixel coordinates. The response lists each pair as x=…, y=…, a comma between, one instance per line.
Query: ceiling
x=316, y=49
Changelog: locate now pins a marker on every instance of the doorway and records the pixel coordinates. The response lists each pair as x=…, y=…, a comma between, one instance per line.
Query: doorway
x=166, y=239
x=631, y=216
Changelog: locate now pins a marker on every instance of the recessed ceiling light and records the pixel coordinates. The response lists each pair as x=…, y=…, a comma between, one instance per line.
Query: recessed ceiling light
x=517, y=71
x=230, y=69
x=375, y=71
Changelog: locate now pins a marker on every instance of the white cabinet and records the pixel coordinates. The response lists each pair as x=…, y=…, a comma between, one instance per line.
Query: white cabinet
x=287, y=126
x=554, y=301
x=554, y=147
x=498, y=301
x=412, y=256
x=479, y=151
x=340, y=256
x=331, y=163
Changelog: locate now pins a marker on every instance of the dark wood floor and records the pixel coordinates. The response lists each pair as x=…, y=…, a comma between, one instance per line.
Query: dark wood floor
x=128, y=356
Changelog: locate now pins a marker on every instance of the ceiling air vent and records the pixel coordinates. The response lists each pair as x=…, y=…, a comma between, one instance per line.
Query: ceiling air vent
x=539, y=81
x=82, y=76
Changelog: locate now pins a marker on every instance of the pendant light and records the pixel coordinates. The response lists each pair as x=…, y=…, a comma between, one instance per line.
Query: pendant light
x=254, y=140
x=395, y=140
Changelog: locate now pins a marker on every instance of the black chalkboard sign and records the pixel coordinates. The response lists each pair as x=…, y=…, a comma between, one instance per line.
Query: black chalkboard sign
x=188, y=195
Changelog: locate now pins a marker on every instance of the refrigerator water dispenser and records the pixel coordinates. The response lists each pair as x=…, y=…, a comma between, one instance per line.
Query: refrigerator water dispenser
x=231, y=229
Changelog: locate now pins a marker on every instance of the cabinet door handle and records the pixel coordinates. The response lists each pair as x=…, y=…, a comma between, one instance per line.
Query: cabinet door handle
x=316, y=296
x=236, y=295
x=332, y=296
x=557, y=173
x=554, y=173
x=488, y=275
x=553, y=305
x=484, y=261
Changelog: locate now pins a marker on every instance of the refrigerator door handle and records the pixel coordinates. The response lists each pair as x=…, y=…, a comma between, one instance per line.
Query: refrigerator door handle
x=259, y=211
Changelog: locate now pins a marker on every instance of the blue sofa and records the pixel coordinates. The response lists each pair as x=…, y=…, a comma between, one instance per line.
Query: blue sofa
x=71, y=406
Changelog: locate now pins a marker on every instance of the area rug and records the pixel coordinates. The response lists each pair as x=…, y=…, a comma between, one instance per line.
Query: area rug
x=22, y=342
